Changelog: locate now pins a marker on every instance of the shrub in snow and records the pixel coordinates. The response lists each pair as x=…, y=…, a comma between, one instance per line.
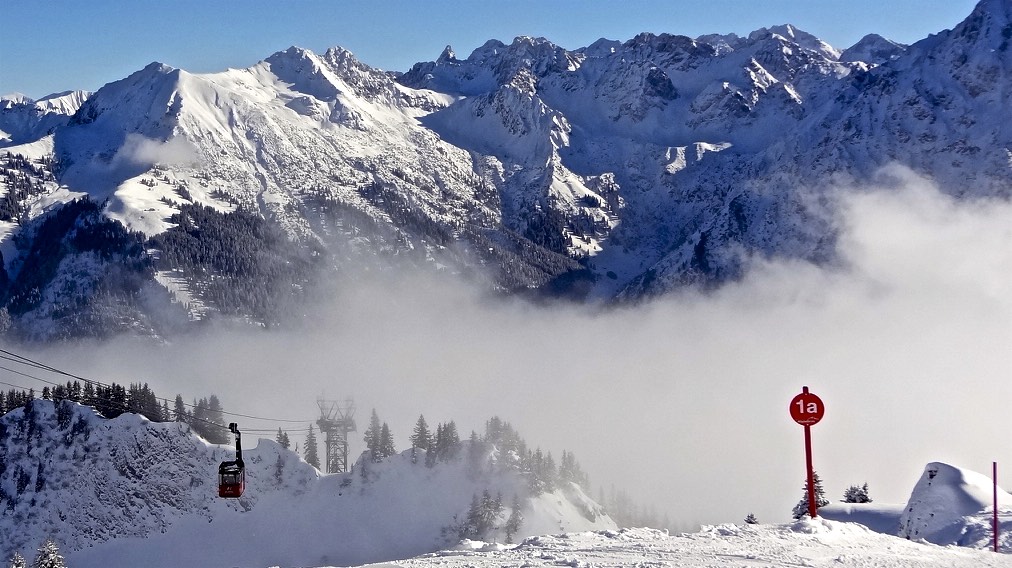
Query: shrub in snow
x=855, y=494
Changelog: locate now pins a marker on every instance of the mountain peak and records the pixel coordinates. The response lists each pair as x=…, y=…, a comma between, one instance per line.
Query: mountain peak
x=873, y=49
x=799, y=37
x=292, y=54
x=989, y=25
x=447, y=55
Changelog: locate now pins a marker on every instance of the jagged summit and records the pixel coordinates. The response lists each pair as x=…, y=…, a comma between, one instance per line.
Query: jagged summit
x=988, y=26
x=799, y=37
x=447, y=55
x=873, y=49
x=619, y=170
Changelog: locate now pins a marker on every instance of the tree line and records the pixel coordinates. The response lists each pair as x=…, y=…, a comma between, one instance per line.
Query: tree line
x=206, y=417
x=500, y=447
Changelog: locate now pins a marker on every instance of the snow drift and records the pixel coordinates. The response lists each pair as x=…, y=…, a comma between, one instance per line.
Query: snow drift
x=950, y=505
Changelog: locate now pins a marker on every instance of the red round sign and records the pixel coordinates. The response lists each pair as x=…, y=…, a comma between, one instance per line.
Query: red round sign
x=807, y=409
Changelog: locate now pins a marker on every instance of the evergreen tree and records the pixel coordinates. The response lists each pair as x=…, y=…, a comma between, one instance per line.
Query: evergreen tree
x=179, y=409
x=801, y=509
x=279, y=470
x=514, y=521
x=311, y=457
x=433, y=452
x=420, y=436
x=570, y=470
x=751, y=520
x=481, y=516
x=386, y=442
x=215, y=415
x=372, y=437
x=18, y=561
x=283, y=440
x=475, y=455
x=447, y=444
x=49, y=556
x=207, y=420
x=855, y=494
x=88, y=394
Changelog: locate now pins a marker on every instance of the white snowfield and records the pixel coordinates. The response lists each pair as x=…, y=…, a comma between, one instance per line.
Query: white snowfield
x=811, y=543
x=946, y=522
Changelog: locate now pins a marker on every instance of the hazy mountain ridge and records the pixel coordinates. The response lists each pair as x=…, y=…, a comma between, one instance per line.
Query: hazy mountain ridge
x=621, y=170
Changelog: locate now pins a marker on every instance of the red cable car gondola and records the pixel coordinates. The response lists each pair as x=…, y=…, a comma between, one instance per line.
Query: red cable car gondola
x=232, y=474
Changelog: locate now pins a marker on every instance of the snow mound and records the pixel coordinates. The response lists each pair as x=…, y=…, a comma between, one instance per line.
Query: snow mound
x=879, y=517
x=950, y=505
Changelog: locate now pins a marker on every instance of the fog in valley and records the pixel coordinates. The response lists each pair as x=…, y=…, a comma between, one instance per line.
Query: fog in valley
x=680, y=401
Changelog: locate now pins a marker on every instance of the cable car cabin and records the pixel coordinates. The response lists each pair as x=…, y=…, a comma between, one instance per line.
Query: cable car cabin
x=231, y=479
x=232, y=474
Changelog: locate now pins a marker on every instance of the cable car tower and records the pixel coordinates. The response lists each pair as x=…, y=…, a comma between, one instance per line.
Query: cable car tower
x=336, y=422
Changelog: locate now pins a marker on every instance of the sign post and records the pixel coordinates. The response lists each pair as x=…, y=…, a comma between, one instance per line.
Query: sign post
x=994, y=472
x=807, y=409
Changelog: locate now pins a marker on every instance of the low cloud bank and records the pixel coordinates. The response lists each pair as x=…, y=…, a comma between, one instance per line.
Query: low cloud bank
x=683, y=401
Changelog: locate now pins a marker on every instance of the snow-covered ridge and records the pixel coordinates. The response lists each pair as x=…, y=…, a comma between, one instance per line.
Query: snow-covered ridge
x=25, y=120
x=550, y=169
x=128, y=492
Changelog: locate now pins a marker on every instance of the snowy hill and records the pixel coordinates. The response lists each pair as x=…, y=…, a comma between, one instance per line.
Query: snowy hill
x=128, y=492
x=948, y=506
x=621, y=170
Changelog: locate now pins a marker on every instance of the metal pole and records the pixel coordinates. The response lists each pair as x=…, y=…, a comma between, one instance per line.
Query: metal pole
x=811, y=473
x=994, y=471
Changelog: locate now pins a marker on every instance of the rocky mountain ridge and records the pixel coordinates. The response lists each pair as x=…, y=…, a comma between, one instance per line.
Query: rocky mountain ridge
x=617, y=171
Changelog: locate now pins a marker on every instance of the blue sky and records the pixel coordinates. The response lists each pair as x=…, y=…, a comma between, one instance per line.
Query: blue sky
x=49, y=46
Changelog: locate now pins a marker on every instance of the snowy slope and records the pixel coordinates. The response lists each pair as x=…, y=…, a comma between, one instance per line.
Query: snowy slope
x=128, y=492
x=818, y=543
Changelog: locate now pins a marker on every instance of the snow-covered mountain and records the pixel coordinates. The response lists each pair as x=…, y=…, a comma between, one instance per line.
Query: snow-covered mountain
x=128, y=492
x=23, y=119
x=618, y=170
